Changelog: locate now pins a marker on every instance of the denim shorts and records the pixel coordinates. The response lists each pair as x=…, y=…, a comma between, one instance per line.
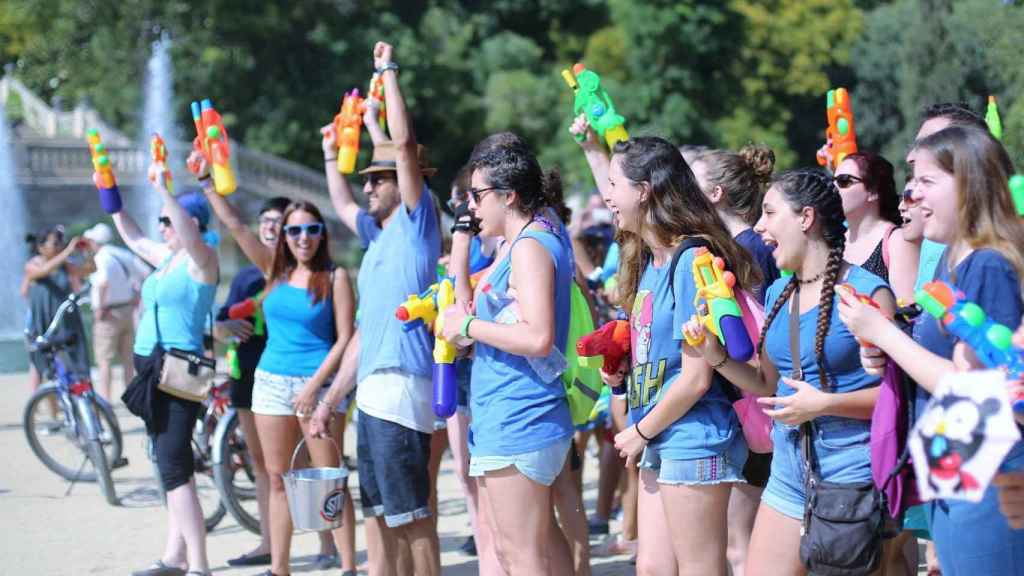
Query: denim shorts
x=843, y=456
x=274, y=394
x=542, y=466
x=394, y=477
x=727, y=467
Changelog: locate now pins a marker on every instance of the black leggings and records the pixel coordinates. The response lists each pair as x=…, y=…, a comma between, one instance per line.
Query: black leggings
x=171, y=434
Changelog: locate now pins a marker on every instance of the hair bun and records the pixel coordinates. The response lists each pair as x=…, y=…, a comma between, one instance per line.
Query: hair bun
x=761, y=160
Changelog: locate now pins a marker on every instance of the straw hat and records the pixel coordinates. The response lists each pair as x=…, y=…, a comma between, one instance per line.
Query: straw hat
x=385, y=157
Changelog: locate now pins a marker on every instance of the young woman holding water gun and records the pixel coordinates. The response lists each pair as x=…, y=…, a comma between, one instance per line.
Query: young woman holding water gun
x=802, y=221
x=960, y=189
x=683, y=430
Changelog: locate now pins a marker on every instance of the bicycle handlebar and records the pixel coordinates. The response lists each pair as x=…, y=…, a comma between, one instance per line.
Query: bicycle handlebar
x=45, y=340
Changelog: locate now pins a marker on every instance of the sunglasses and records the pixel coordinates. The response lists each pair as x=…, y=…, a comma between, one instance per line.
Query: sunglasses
x=313, y=230
x=375, y=180
x=269, y=221
x=908, y=196
x=846, y=180
x=478, y=193
x=164, y=221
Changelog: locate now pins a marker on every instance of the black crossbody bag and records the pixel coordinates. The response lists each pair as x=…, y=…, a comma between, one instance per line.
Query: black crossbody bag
x=841, y=531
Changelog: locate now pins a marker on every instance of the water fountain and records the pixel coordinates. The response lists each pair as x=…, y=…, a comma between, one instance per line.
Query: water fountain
x=13, y=252
x=157, y=116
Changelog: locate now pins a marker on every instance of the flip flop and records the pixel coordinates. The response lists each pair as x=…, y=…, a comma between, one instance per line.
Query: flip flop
x=250, y=560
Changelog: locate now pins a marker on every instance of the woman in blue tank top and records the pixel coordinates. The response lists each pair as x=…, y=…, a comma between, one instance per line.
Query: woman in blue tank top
x=176, y=299
x=960, y=188
x=521, y=428
x=682, y=431
x=308, y=307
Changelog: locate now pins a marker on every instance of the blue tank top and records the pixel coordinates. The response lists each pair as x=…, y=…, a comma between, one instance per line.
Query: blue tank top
x=513, y=410
x=182, y=304
x=301, y=333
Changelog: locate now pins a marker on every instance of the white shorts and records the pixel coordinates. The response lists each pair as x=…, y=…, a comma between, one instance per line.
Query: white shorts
x=274, y=394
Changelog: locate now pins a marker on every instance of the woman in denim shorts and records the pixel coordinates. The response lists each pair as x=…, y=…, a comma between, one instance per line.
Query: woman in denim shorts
x=802, y=221
x=684, y=432
x=521, y=428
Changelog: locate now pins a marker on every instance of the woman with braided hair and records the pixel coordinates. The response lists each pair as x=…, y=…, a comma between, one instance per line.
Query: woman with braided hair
x=802, y=221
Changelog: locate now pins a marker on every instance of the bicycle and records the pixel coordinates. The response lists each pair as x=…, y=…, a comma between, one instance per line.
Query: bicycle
x=77, y=418
x=232, y=472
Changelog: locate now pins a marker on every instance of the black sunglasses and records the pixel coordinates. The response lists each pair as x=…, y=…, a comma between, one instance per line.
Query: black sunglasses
x=375, y=179
x=477, y=194
x=846, y=180
x=164, y=221
x=313, y=230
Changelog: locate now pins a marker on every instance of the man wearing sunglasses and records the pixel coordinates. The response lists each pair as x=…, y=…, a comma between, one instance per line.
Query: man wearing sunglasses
x=399, y=231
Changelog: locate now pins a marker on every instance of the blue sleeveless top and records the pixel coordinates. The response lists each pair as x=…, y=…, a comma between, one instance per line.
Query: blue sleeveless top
x=301, y=333
x=182, y=304
x=513, y=410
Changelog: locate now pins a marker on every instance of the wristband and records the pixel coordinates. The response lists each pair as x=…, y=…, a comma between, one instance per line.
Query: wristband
x=330, y=158
x=464, y=330
x=386, y=67
x=639, y=433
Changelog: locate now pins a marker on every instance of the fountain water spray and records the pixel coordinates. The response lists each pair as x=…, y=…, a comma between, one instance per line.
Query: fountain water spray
x=157, y=116
x=13, y=252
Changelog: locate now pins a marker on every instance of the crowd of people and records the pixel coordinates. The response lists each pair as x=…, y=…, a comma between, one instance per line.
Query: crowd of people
x=695, y=499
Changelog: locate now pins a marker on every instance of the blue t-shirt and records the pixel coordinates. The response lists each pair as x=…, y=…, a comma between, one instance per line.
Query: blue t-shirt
x=656, y=335
x=931, y=252
x=988, y=279
x=400, y=260
x=842, y=351
x=762, y=255
x=182, y=304
x=247, y=283
x=301, y=332
x=513, y=410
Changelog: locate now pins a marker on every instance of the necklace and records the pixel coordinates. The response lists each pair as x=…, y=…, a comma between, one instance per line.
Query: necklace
x=811, y=280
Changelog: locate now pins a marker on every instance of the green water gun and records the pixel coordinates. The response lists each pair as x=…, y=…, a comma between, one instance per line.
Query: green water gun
x=591, y=99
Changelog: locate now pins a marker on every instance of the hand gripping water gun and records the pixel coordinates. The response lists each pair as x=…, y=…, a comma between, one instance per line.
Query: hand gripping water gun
x=992, y=342
x=158, y=153
x=592, y=100
x=995, y=125
x=377, y=93
x=863, y=298
x=348, y=124
x=248, y=308
x=841, y=136
x=212, y=142
x=605, y=348
x=722, y=316
x=106, y=184
x=420, y=310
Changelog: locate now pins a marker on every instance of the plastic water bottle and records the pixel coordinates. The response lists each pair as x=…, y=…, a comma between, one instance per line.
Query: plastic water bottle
x=505, y=310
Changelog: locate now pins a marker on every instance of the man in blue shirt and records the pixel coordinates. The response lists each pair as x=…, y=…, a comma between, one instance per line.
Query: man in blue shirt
x=401, y=235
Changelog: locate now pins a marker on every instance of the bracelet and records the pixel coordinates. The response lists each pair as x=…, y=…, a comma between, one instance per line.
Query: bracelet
x=386, y=67
x=464, y=330
x=725, y=358
x=324, y=404
x=641, y=434
x=330, y=159
x=204, y=178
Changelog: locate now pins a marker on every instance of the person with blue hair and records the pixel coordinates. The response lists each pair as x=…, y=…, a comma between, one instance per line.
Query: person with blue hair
x=176, y=299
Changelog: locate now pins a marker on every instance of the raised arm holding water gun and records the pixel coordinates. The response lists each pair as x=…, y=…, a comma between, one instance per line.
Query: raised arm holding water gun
x=103, y=174
x=212, y=143
x=840, y=134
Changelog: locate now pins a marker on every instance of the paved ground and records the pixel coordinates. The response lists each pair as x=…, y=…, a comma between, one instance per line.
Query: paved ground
x=48, y=532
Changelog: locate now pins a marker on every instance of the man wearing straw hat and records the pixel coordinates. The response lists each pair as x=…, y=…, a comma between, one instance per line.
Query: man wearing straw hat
x=400, y=232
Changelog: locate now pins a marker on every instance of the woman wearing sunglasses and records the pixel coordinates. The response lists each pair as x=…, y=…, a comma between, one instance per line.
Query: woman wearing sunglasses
x=308, y=307
x=874, y=240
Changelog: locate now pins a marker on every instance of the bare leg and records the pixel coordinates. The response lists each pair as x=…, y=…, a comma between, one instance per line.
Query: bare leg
x=486, y=539
x=576, y=544
x=259, y=472
x=521, y=519
x=774, y=545
x=105, y=373
x=125, y=346
x=743, y=503
x=458, y=428
x=630, y=496
x=424, y=546
x=581, y=439
x=610, y=470
x=183, y=506
x=279, y=435
x=655, y=555
x=381, y=547
x=438, y=442
x=696, y=516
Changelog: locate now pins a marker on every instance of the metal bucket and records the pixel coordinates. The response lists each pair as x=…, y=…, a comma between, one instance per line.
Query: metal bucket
x=316, y=496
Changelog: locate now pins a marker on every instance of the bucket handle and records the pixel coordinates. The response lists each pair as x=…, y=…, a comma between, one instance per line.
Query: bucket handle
x=291, y=465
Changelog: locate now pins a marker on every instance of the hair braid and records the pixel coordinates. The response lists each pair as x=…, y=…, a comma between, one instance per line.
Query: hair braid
x=786, y=292
x=828, y=290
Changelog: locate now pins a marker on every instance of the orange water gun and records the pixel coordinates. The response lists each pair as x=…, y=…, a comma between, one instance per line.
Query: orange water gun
x=841, y=137
x=212, y=142
x=377, y=93
x=348, y=124
x=158, y=153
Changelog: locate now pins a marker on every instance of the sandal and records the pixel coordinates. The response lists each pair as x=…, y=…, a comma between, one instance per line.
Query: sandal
x=158, y=568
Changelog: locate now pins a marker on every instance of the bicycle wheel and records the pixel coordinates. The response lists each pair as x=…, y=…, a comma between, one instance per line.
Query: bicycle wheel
x=233, y=474
x=53, y=435
x=109, y=429
x=206, y=489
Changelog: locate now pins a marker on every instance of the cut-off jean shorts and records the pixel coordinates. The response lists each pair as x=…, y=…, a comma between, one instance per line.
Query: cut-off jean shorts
x=542, y=466
x=274, y=394
x=843, y=456
x=725, y=467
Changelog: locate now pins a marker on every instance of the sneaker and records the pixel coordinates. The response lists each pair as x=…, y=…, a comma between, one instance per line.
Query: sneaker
x=49, y=428
x=469, y=547
x=327, y=561
x=597, y=526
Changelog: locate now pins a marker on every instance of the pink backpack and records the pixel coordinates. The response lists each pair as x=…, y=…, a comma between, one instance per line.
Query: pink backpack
x=757, y=426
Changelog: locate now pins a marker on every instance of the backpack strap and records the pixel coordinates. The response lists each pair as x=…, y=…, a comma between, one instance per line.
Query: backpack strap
x=691, y=242
x=885, y=245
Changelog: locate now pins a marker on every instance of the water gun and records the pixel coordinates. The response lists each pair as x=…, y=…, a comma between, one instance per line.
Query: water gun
x=348, y=124
x=158, y=153
x=995, y=125
x=605, y=348
x=106, y=184
x=840, y=134
x=1017, y=192
x=421, y=310
x=992, y=342
x=376, y=92
x=249, y=308
x=212, y=142
x=722, y=316
x=591, y=99
x=863, y=298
